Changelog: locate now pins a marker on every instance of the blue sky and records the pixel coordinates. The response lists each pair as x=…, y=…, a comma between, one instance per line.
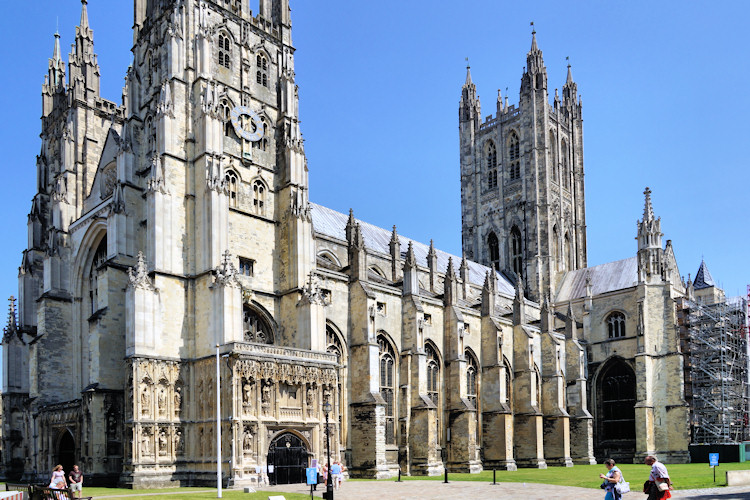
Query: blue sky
x=664, y=105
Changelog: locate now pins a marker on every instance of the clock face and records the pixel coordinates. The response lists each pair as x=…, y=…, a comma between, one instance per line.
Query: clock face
x=256, y=132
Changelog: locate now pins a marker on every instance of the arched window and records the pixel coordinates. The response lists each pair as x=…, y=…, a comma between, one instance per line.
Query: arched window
x=433, y=378
x=225, y=51
x=565, y=165
x=233, y=187
x=97, y=269
x=491, y=158
x=472, y=381
x=514, y=156
x=516, y=251
x=226, y=111
x=494, y=248
x=387, y=387
x=261, y=75
x=335, y=346
x=617, y=396
x=259, y=197
x=616, y=325
x=556, y=250
x=255, y=328
x=508, y=383
x=552, y=156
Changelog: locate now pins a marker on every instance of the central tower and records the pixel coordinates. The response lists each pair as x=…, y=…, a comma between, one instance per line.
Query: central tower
x=522, y=189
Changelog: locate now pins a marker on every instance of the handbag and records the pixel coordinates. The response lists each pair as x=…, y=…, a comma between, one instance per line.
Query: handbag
x=622, y=486
x=662, y=486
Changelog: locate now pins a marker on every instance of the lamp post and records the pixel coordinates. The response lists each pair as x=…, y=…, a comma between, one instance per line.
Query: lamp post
x=329, y=485
x=218, y=426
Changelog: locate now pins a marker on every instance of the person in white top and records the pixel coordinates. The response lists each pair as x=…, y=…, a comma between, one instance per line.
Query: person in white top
x=659, y=475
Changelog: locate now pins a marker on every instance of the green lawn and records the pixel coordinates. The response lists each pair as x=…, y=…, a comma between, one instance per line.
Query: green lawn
x=684, y=476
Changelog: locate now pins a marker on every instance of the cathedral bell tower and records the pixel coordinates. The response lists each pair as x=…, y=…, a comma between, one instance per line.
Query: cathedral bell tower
x=522, y=193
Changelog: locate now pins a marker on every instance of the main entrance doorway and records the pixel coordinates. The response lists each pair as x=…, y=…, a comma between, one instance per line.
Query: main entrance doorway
x=66, y=452
x=288, y=456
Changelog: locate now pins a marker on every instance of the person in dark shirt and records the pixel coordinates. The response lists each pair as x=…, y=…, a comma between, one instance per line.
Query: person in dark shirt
x=76, y=481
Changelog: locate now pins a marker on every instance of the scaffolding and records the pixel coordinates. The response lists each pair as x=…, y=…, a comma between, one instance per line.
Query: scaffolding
x=715, y=345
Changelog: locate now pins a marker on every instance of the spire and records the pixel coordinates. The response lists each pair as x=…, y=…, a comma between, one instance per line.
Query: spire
x=84, y=15
x=703, y=278
x=395, y=247
x=56, y=50
x=535, y=76
x=469, y=108
x=570, y=75
x=468, y=73
x=648, y=210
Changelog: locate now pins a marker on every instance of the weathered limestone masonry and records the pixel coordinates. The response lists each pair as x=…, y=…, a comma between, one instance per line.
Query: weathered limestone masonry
x=179, y=223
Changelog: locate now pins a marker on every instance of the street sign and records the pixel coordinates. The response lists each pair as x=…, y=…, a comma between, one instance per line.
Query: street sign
x=713, y=459
x=312, y=475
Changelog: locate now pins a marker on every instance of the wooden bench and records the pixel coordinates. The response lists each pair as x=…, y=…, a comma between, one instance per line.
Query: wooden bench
x=26, y=488
x=46, y=493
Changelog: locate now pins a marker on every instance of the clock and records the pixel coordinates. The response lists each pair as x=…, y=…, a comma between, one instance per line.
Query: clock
x=236, y=115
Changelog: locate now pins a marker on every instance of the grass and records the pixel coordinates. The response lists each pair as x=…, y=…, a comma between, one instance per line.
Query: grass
x=684, y=476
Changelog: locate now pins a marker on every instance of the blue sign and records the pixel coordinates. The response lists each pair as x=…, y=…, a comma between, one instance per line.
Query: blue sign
x=312, y=475
x=713, y=459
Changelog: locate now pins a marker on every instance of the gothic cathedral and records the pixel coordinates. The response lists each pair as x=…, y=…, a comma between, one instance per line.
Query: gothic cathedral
x=176, y=269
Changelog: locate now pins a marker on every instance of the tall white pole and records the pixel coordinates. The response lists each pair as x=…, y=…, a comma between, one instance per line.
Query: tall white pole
x=218, y=427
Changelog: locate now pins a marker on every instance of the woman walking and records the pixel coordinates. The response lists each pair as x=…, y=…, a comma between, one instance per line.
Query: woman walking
x=611, y=478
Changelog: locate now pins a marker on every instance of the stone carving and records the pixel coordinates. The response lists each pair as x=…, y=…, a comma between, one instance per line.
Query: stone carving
x=247, y=396
x=247, y=442
x=266, y=396
x=162, y=402
x=310, y=396
x=163, y=442
x=177, y=400
x=145, y=400
x=312, y=291
x=146, y=441
x=139, y=278
x=108, y=181
x=226, y=273
x=179, y=443
x=164, y=107
x=156, y=180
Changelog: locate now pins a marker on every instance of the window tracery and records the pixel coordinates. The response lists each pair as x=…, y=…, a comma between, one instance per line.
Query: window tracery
x=261, y=75
x=255, y=328
x=225, y=51
x=514, y=156
x=494, y=248
x=616, y=325
x=516, y=251
x=387, y=387
x=232, y=183
x=259, y=197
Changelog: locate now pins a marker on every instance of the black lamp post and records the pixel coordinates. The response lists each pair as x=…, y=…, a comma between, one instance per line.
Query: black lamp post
x=329, y=485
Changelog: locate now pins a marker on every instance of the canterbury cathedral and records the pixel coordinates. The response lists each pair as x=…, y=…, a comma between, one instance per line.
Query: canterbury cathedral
x=175, y=261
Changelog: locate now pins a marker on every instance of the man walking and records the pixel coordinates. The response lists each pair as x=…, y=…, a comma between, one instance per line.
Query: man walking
x=76, y=481
x=658, y=482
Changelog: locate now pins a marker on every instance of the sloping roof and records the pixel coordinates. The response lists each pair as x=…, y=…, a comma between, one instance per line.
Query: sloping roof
x=333, y=224
x=703, y=278
x=608, y=277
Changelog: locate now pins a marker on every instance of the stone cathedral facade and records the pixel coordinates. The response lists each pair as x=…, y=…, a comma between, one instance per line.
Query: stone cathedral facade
x=179, y=220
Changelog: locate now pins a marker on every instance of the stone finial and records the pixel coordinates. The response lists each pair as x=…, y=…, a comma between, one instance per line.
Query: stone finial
x=118, y=199
x=411, y=260
x=164, y=107
x=311, y=291
x=226, y=273
x=138, y=277
x=648, y=209
x=156, y=179
x=350, y=224
x=12, y=326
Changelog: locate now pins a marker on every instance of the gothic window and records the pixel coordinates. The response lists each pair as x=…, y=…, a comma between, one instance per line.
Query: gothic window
x=433, y=376
x=516, y=251
x=616, y=325
x=232, y=187
x=262, y=144
x=471, y=377
x=255, y=328
x=556, y=250
x=225, y=51
x=491, y=158
x=552, y=156
x=565, y=165
x=97, y=269
x=259, y=197
x=226, y=111
x=335, y=346
x=618, y=400
x=494, y=248
x=387, y=385
x=514, y=156
x=537, y=388
x=508, y=383
x=261, y=75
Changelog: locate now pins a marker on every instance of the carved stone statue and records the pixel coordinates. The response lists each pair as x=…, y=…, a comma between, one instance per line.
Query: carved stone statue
x=163, y=442
x=310, y=396
x=177, y=400
x=162, y=402
x=247, y=394
x=179, y=445
x=247, y=444
x=145, y=400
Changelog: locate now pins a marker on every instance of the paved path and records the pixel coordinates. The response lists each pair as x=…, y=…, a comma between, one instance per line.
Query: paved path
x=474, y=490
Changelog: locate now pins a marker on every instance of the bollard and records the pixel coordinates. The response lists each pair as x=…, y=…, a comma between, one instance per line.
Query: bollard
x=446, y=475
x=494, y=471
x=399, y=476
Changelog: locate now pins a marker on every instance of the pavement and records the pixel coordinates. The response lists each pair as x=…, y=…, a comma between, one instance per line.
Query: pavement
x=474, y=490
